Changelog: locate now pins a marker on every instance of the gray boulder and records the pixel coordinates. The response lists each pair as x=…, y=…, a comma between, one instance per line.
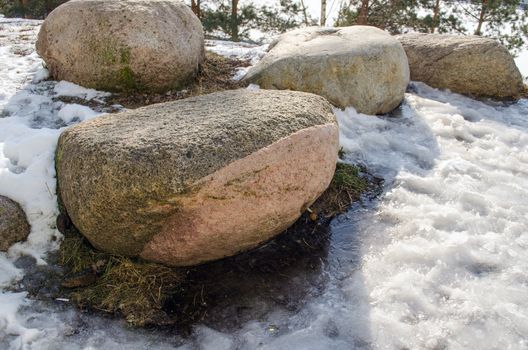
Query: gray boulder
x=120, y=45
x=194, y=180
x=357, y=66
x=13, y=223
x=470, y=65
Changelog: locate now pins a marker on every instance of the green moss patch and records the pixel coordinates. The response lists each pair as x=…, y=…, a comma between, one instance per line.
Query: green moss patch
x=126, y=79
x=125, y=55
x=346, y=187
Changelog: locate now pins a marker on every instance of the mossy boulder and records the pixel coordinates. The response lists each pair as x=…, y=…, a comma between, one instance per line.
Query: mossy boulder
x=198, y=179
x=470, y=65
x=13, y=223
x=357, y=66
x=123, y=45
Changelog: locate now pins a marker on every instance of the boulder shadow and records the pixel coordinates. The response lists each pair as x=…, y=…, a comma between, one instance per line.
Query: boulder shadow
x=283, y=275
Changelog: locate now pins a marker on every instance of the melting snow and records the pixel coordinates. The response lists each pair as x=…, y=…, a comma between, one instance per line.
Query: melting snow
x=440, y=260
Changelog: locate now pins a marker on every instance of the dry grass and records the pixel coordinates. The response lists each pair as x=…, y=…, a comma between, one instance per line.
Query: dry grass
x=136, y=289
x=215, y=75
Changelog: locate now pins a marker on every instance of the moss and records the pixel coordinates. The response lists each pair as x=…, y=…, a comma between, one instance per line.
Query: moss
x=345, y=188
x=125, y=55
x=126, y=79
x=58, y=159
x=58, y=155
x=108, y=56
x=346, y=178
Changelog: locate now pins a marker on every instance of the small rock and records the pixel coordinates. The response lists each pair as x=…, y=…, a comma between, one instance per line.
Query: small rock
x=63, y=223
x=14, y=226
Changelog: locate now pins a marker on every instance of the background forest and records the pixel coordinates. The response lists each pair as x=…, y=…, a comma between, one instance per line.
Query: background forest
x=505, y=20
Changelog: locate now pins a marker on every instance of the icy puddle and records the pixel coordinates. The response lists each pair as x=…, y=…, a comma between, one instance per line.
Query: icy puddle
x=438, y=261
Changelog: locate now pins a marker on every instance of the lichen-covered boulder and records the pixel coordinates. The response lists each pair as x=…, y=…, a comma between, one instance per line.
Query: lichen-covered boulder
x=121, y=45
x=198, y=179
x=358, y=66
x=470, y=65
x=13, y=223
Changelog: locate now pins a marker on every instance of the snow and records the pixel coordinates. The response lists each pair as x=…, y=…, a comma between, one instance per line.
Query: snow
x=243, y=51
x=65, y=88
x=439, y=260
x=448, y=264
x=76, y=113
x=31, y=120
x=522, y=62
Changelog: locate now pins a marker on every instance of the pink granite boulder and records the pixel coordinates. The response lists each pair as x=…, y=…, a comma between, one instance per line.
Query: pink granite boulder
x=199, y=179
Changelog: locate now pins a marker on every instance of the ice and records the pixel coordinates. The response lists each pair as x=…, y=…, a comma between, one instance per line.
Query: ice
x=438, y=261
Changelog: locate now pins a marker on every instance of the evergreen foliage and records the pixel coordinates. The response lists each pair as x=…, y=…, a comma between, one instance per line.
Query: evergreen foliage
x=217, y=18
x=504, y=20
x=37, y=9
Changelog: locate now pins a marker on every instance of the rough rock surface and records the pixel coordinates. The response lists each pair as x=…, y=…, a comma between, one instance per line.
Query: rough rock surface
x=198, y=179
x=357, y=66
x=13, y=223
x=470, y=65
x=118, y=45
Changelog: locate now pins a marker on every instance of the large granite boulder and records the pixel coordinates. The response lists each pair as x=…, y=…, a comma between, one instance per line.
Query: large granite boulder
x=358, y=66
x=194, y=180
x=13, y=223
x=120, y=45
x=470, y=65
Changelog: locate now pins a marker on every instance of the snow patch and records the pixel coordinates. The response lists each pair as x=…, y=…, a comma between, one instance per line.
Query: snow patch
x=242, y=51
x=65, y=88
x=76, y=113
x=439, y=261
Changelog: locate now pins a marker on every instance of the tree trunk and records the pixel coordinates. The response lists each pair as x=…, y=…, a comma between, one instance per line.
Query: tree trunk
x=195, y=7
x=363, y=13
x=234, y=20
x=304, y=13
x=436, y=14
x=483, y=10
x=323, y=13
x=24, y=8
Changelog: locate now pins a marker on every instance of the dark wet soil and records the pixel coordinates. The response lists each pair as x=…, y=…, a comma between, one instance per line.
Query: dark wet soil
x=284, y=273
